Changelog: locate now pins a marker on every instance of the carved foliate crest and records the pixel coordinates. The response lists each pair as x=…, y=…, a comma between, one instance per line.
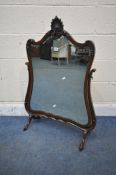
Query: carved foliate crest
x=57, y=27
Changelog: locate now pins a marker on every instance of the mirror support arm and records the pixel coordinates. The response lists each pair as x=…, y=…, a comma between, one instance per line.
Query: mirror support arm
x=91, y=73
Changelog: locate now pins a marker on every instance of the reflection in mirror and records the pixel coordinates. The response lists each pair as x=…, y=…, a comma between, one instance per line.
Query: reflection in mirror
x=59, y=69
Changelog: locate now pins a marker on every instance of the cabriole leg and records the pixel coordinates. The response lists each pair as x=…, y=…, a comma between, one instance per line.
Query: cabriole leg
x=82, y=144
x=28, y=123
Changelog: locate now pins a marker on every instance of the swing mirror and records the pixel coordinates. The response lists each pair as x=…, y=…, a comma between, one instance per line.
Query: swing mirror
x=59, y=78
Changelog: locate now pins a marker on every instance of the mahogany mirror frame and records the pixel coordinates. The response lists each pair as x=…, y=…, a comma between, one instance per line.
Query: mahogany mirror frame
x=56, y=31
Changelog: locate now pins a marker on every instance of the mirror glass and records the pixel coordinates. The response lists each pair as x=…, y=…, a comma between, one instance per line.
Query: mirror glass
x=59, y=69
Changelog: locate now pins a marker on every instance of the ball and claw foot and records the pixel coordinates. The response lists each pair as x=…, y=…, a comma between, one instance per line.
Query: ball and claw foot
x=82, y=144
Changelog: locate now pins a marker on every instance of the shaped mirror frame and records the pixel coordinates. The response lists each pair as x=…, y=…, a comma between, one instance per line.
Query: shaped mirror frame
x=32, y=49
